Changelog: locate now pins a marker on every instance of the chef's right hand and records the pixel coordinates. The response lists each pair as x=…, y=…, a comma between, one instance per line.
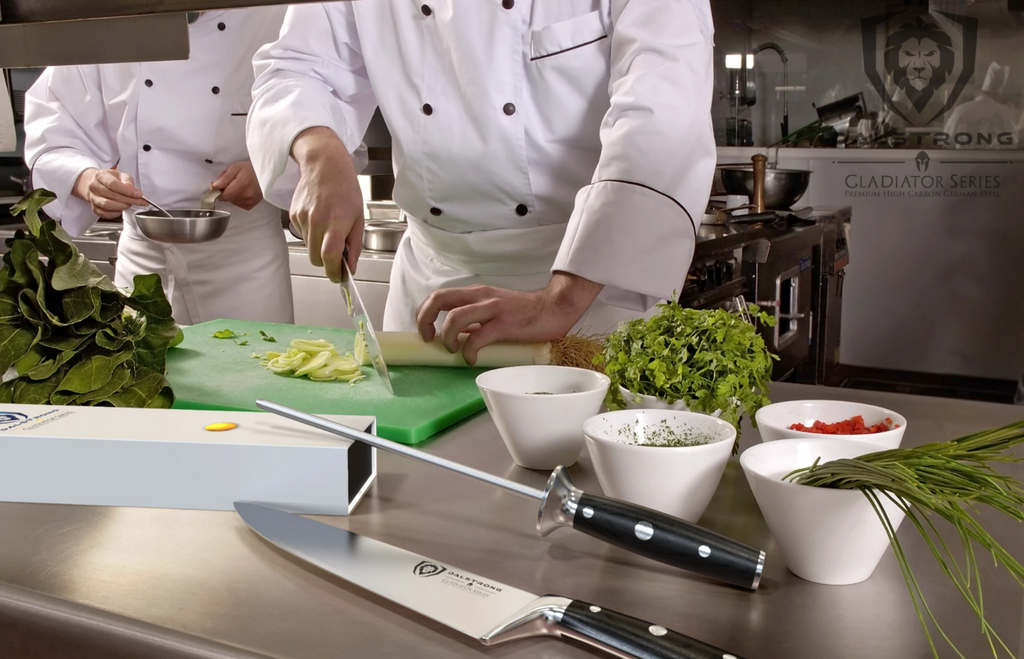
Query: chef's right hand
x=327, y=207
x=107, y=191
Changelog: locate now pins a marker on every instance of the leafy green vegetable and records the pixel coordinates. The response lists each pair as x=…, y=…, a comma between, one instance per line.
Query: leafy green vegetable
x=266, y=337
x=70, y=334
x=710, y=358
x=225, y=334
x=948, y=479
x=243, y=343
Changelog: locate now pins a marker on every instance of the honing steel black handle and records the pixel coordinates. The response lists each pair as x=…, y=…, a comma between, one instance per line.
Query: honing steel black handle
x=669, y=540
x=631, y=636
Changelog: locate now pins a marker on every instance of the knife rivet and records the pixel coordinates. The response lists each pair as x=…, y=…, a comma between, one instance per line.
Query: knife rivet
x=588, y=512
x=595, y=609
x=658, y=630
x=644, y=531
x=704, y=551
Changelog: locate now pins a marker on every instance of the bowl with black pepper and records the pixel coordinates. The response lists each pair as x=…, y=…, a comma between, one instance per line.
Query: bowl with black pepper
x=666, y=460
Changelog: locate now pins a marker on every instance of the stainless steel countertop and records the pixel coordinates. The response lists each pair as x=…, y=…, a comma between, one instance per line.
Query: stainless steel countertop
x=176, y=583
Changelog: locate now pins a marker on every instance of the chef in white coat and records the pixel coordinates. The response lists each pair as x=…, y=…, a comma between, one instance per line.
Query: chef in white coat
x=101, y=136
x=553, y=158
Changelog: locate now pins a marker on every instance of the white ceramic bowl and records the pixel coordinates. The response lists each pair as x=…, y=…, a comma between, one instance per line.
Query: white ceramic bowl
x=826, y=536
x=540, y=410
x=645, y=402
x=773, y=421
x=679, y=481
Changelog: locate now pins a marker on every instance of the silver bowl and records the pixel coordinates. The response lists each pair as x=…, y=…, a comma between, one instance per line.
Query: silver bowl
x=383, y=236
x=184, y=226
x=782, y=187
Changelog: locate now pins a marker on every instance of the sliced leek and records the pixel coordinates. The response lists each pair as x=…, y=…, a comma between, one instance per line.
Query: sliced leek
x=315, y=359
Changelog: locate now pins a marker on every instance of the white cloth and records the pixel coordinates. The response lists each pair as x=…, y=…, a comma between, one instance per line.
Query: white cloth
x=983, y=118
x=174, y=127
x=591, y=116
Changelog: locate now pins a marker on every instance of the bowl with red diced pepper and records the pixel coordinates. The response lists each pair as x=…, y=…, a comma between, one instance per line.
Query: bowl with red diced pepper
x=805, y=419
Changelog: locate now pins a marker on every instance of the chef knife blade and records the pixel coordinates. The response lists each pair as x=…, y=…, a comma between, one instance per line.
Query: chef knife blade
x=485, y=609
x=355, y=308
x=637, y=529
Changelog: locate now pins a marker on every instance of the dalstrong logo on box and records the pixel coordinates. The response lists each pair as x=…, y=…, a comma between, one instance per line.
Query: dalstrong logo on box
x=12, y=417
x=919, y=63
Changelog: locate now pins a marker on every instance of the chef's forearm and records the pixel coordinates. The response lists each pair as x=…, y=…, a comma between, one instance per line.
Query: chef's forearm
x=317, y=143
x=572, y=294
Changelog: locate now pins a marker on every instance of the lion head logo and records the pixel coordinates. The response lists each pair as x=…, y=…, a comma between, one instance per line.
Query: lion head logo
x=428, y=569
x=919, y=63
x=11, y=417
x=919, y=57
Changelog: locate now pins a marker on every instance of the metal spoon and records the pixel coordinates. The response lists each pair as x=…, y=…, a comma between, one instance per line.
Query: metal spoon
x=157, y=207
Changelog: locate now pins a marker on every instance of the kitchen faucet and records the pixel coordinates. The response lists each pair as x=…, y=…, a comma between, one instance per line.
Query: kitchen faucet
x=771, y=45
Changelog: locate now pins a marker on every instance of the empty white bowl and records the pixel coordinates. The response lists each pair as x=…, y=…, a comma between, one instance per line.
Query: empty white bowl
x=773, y=421
x=679, y=480
x=826, y=536
x=540, y=410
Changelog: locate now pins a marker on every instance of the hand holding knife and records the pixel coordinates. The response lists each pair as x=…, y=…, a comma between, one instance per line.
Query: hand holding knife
x=637, y=529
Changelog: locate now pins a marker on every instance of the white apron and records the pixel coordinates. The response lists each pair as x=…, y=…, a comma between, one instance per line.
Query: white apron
x=174, y=127
x=519, y=259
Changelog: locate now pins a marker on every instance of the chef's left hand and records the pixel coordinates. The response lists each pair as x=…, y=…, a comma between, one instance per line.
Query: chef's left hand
x=490, y=314
x=240, y=186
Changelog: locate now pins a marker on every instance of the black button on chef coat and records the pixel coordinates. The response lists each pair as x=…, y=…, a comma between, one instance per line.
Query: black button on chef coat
x=435, y=211
x=521, y=210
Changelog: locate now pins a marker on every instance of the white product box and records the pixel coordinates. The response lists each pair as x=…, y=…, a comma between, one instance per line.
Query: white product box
x=102, y=456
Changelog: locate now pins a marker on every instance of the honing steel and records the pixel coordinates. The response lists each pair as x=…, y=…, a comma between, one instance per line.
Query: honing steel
x=487, y=610
x=637, y=529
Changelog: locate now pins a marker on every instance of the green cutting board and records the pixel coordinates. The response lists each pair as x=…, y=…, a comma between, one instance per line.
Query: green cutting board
x=218, y=374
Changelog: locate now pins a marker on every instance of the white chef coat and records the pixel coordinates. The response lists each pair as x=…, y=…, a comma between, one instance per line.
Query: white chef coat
x=985, y=116
x=528, y=135
x=174, y=127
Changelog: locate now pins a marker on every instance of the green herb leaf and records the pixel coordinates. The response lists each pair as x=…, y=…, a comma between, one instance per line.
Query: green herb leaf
x=243, y=343
x=14, y=343
x=148, y=296
x=30, y=204
x=266, y=337
x=225, y=334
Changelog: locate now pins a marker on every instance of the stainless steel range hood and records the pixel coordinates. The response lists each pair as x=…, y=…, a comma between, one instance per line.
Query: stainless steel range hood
x=54, y=32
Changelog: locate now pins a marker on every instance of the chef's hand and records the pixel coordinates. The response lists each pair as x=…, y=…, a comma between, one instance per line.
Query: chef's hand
x=327, y=207
x=107, y=191
x=239, y=185
x=492, y=314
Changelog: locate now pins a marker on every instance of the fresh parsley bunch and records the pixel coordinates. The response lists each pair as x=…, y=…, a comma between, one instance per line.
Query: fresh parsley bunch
x=710, y=358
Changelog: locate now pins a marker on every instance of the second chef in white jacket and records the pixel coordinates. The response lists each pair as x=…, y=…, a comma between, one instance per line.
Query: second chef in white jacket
x=100, y=135
x=560, y=154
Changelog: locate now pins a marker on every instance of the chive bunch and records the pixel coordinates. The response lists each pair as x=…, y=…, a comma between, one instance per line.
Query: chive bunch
x=950, y=480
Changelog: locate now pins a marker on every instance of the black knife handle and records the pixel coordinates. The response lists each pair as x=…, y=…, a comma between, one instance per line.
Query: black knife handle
x=669, y=540
x=633, y=637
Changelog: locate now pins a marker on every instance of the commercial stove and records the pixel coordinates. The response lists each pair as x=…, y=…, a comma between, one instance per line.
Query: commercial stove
x=794, y=272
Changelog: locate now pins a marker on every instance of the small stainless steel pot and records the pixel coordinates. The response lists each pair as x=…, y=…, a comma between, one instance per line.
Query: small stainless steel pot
x=186, y=225
x=383, y=236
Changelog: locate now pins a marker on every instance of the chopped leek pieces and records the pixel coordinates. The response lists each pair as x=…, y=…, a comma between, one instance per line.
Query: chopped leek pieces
x=314, y=359
x=68, y=336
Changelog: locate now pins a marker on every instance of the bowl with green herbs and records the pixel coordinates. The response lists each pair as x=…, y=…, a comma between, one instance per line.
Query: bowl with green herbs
x=797, y=483
x=711, y=361
x=826, y=536
x=662, y=459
